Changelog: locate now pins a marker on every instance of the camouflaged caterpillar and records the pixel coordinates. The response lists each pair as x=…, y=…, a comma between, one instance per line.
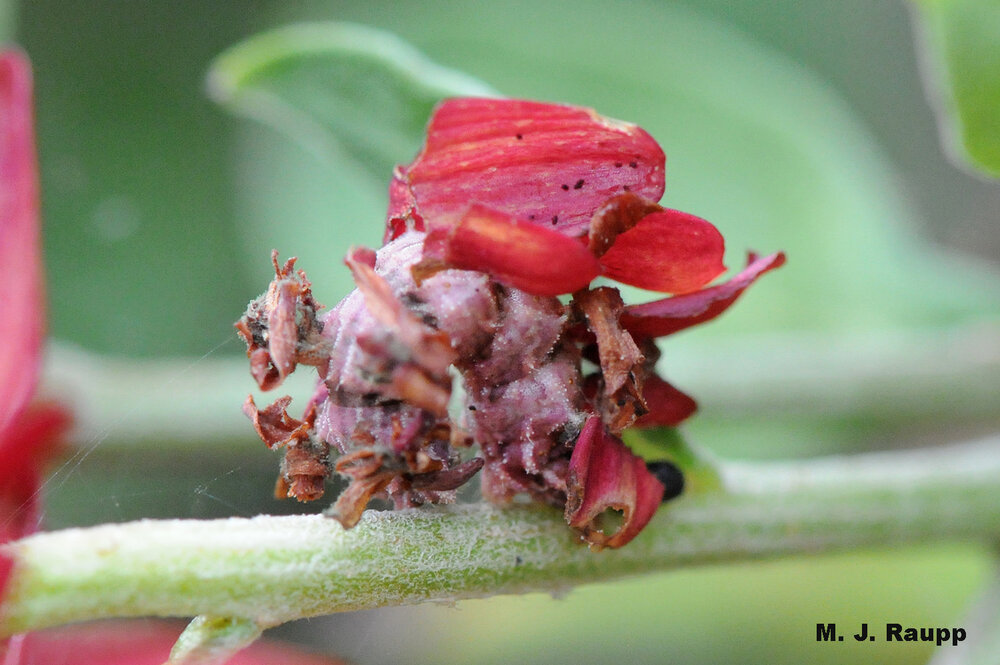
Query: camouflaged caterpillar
x=509, y=205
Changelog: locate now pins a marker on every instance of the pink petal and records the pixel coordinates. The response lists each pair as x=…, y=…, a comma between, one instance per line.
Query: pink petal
x=669, y=315
x=545, y=163
x=605, y=475
x=22, y=322
x=668, y=251
x=668, y=407
x=141, y=642
x=520, y=254
x=26, y=444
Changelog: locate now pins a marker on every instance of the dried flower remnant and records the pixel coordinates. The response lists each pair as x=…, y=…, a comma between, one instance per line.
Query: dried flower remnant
x=509, y=204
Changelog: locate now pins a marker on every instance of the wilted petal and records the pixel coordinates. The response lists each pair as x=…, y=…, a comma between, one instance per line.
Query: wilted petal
x=621, y=361
x=667, y=316
x=616, y=216
x=281, y=328
x=667, y=251
x=668, y=407
x=26, y=444
x=520, y=254
x=22, y=318
x=604, y=475
x=544, y=163
x=274, y=426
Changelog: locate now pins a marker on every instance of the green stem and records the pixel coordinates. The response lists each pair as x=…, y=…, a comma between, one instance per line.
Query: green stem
x=269, y=570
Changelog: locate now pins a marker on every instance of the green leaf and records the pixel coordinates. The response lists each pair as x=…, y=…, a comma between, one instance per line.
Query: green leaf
x=339, y=87
x=701, y=473
x=962, y=40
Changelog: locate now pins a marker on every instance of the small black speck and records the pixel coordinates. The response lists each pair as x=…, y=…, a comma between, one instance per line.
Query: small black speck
x=626, y=188
x=518, y=560
x=671, y=477
x=531, y=217
x=519, y=136
x=618, y=165
x=565, y=188
x=578, y=185
x=472, y=408
x=621, y=402
x=633, y=165
x=555, y=219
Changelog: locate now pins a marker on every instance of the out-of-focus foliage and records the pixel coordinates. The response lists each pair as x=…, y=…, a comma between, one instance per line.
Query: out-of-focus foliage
x=963, y=61
x=161, y=211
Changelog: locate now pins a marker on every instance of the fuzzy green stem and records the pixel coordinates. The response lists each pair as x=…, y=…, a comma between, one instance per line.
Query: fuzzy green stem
x=275, y=569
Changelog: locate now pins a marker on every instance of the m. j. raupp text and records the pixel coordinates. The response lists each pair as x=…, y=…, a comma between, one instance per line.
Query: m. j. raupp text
x=894, y=632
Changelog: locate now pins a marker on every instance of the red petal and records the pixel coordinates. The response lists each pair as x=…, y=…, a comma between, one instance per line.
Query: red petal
x=605, y=475
x=668, y=251
x=26, y=445
x=140, y=642
x=22, y=318
x=545, y=163
x=668, y=407
x=528, y=257
x=667, y=316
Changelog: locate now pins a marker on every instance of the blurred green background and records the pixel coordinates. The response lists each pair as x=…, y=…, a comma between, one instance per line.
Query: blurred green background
x=794, y=125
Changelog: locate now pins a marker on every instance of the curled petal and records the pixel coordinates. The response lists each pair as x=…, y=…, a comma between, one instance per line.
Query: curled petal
x=520, y=254
x=669, y=315
x=281, y=329
x=544, y=163
x=668, y=407
x=22, y=319
x=667, y=251
x=448, y=479
x=616, y=216
x=274, y=426
x=604, y=475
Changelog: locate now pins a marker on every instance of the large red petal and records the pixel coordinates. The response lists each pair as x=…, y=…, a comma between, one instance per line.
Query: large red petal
x=140, y=642
x=21, y=316
x=667, y=316
x=517, y=253
x=545, y=163
x=605, y=475
x=667, y=251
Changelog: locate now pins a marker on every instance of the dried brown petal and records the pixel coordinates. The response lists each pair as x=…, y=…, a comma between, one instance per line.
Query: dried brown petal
x=280, y=328
x=622, y=363
x=616, y=216
x=274, y=426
